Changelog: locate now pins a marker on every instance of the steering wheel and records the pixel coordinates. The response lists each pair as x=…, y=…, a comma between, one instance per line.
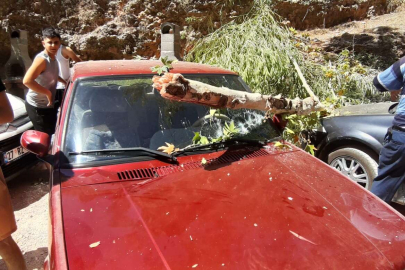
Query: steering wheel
x=200, y=121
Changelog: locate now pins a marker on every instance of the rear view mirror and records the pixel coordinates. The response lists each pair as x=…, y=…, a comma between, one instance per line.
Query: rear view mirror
x=393, y=108
x=36, y=142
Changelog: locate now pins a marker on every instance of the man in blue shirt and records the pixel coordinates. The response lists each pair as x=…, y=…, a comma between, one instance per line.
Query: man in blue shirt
x=391, y=170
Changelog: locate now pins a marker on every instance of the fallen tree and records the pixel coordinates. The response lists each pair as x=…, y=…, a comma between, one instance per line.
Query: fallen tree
x=175, y=87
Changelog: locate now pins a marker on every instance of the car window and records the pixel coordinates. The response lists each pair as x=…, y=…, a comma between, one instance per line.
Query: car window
x=126, y=112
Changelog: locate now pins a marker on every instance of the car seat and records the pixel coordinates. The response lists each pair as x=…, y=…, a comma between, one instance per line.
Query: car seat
x=106, y=125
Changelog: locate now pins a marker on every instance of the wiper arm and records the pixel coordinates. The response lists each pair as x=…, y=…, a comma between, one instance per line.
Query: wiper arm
x=123, y=150
x=218, y=145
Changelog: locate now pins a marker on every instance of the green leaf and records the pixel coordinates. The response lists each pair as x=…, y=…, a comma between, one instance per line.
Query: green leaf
x=278, y=144
x=196, y=138
x=204, y=140
x=167, y=65
x=232, y=126
x=311, y=149
x=203, y=161
x=217, y=139
x=289, y=130
x=164, y=60
x=281, y=145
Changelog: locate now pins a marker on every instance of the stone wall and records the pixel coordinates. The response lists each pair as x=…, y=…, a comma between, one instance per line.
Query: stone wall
x=101, y=29
x=307, y=14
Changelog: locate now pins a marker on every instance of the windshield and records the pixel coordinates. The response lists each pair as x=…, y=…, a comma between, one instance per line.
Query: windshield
x=124, y=112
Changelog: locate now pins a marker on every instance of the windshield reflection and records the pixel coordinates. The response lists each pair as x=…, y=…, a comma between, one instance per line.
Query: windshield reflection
x=126, y=112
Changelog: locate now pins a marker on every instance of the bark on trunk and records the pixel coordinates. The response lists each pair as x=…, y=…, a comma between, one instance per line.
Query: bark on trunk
x=176, y=87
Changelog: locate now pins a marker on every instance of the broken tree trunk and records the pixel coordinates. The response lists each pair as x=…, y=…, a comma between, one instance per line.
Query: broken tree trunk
x=176, y=87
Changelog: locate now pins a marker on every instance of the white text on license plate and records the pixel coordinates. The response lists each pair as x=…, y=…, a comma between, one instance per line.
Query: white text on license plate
x=14, y=153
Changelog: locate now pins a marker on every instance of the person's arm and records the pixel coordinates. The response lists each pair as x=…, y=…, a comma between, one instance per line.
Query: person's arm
x=6, y=111
x=391, y=79
x=71, y=54
x=37, y=67
x=61, y=80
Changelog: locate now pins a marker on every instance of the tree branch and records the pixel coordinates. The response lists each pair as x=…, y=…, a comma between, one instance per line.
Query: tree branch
x=176, y=87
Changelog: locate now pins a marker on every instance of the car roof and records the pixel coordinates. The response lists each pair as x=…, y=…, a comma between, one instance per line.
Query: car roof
x=127, y=67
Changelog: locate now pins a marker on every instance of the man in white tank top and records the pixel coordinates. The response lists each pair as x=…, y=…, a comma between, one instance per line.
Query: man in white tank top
x=63, y=56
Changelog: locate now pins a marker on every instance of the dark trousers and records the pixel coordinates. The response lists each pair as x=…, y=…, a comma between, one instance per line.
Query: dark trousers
x=391, y=169
x=43, y=119
x=58, y=98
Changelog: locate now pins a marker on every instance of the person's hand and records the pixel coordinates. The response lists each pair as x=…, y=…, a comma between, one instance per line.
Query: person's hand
x=49, y=97
x=394, y=95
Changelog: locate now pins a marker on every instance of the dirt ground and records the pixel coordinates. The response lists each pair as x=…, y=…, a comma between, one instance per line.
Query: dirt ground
x=376, y=42
x=29, y=193
x=391, y=20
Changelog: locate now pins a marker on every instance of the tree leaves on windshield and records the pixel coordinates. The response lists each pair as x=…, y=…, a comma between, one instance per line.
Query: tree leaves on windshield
x=168, y=148
x=228, y=131
x=199, y=139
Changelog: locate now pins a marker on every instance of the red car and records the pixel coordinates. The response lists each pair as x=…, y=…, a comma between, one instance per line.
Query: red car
x=242, y=203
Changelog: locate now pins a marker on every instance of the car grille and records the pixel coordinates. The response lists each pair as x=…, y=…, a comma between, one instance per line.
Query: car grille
x=146, y=173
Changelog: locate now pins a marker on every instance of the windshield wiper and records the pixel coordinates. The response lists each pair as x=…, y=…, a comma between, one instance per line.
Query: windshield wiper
x=125, y=150
x=219, y=145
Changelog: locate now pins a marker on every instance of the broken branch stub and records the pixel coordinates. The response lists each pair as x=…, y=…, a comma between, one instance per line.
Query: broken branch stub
x=175, y=87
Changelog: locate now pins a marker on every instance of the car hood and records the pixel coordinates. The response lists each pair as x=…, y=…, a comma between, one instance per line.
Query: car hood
x=280, y=211
x=18, y=106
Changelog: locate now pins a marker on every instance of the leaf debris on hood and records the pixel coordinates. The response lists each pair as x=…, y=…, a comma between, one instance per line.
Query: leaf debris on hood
x=95, y=244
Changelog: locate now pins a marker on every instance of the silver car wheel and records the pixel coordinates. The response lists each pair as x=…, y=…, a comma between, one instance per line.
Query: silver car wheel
x=352, y=169
x=356, y=164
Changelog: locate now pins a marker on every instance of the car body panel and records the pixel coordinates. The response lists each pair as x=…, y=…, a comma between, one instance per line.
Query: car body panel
x=119, y=67
x=271, y=216
x=10, y=136
x=56, y=241
x=282, y=209
x=13, y=131
x=368, y=130
x=18, y=106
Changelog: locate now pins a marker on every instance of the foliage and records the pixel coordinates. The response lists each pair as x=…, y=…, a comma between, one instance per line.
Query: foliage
x=296, y=124
x=168, y=148
x=281, y=145
x=259, y=48
x=167, y=65
x=229, y=131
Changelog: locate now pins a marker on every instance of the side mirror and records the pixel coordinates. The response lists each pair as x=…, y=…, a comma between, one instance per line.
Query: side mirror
x=36, y=142
x=393, y=108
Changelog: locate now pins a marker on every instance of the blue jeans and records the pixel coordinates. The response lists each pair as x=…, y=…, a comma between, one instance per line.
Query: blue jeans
x=391, y=170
